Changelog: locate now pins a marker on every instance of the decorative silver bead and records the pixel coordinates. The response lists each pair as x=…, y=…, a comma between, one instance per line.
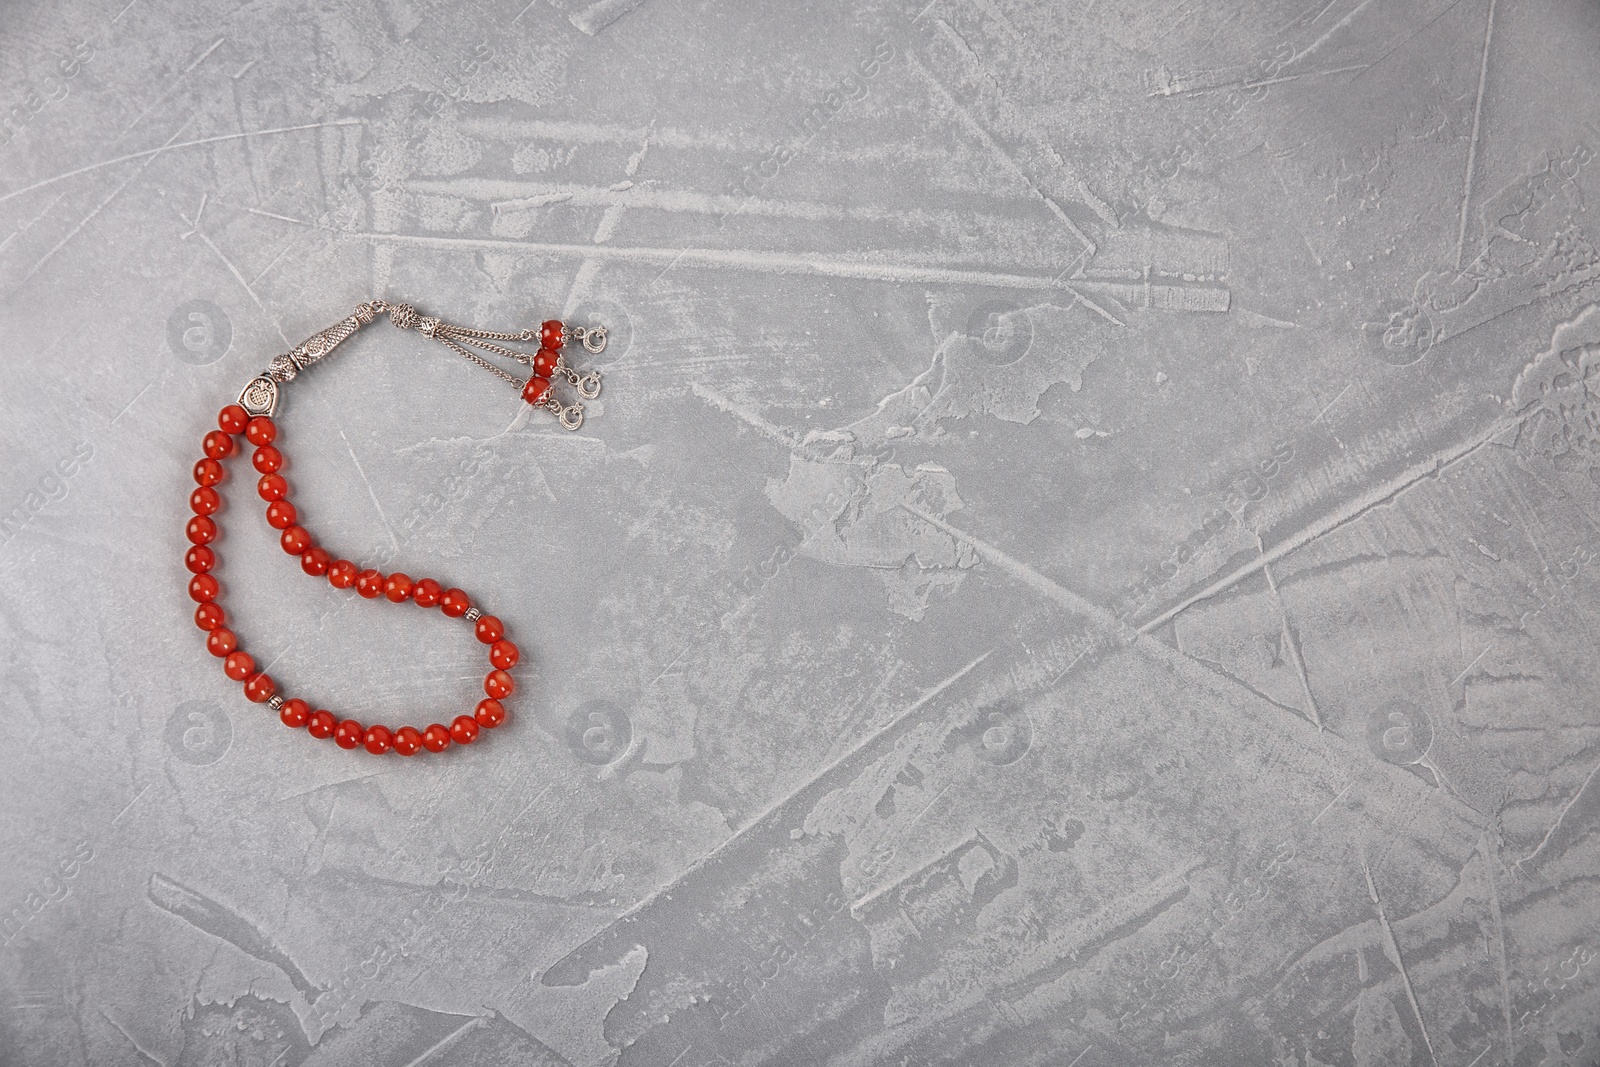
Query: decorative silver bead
x=275, y=702
x=260, y=396
x=282, y=368
x=404, y=316
x=472, y=615
x=365, y=313
x=427, y=325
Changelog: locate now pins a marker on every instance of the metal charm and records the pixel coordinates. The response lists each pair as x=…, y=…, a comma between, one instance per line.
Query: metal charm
x=592, y=338
x=260, y=397
x=571, y=415
x=587, y=385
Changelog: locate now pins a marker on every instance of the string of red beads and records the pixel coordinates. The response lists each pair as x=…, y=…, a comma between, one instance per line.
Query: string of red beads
x=259, y=688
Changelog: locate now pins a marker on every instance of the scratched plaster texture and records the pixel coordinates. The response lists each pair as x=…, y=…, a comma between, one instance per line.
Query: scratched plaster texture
x=1086, y=555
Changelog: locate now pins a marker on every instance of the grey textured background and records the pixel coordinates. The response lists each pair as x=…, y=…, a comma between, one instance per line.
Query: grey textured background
x=1086, y=556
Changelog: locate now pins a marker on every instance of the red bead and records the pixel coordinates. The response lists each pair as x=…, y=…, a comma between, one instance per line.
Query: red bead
x=208, y=472
x=295, y=713
x=436, y=738
x=199, y=559
x=464, y=730
x=498, y=684
x=203, y=588
x=232, y=419
x=504, y=654
x=260, y=430
x=208, y=616
x=407, y=741
x=205, y=501
x=488, y=629
x=454, y=603
x=221, y=641
x=536, y=389
x=550, y=334
x=427, y=593
x=544, y=362
x=321, y=724
x=239, y=665
x=349, y=734
x=259, y=688
x=341, y=574
x=272, y=487
x=217, y=445
x=369, y=583
x=267, y=459
x=378, y=740
x=295, y=541
x=490, y=713
x=281, y=515
x=397, y=587
x=202, y=529
x=315, y=562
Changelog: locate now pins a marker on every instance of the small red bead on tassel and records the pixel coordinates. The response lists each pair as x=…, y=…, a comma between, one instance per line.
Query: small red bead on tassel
x=536, y=389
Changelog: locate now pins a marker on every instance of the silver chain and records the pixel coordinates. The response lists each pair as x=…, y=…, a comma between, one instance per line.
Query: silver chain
x=491, y=335
x=475, y=358
x=478, y=338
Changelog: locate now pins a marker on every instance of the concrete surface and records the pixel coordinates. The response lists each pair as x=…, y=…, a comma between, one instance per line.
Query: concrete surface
x=1086, y=555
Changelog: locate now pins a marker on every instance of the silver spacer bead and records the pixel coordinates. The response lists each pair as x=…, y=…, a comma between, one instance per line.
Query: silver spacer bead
x=428, y=325
x=472, y=615
x=275, y=702
x=404, y=316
